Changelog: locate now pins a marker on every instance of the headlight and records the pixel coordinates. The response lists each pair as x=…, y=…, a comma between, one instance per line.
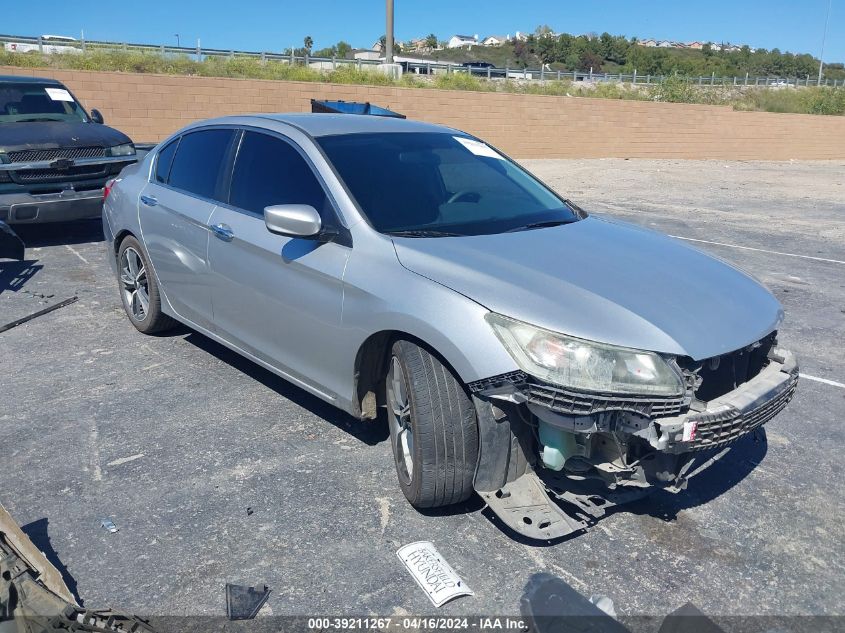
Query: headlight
x=127, y=149
x=573, y=362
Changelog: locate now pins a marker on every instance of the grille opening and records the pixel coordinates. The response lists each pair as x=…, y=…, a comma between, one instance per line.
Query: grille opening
x=53, y=175
x=32, y=155
x=722, y=374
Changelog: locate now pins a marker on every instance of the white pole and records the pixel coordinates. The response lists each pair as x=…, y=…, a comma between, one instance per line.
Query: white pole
x=824, y=37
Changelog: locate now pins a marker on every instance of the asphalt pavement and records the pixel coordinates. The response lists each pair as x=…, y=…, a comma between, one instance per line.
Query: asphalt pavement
x=215, y=470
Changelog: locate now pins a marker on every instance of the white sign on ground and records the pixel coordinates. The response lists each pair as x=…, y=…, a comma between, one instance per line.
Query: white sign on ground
x=433, y=574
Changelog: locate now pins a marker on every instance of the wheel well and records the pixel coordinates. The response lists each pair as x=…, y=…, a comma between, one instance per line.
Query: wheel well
x=118, y=239
x=371, y=368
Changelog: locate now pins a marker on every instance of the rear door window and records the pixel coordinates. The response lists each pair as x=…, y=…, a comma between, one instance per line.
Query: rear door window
x=271, y=171
x=199, y=162
x=164, y=160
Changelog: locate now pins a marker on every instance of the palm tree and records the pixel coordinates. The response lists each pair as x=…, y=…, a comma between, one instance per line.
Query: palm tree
x=308, y=42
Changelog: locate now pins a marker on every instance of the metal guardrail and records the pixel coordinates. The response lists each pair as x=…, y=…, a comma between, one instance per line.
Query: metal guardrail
x=51, y=45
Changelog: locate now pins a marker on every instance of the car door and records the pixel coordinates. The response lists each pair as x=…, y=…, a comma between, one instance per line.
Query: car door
x=278, y=298
x=175, y=207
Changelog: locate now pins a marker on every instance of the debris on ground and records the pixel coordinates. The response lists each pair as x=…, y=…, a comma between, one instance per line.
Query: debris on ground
x=34, y=597
x=35, y=315
x=433, y=574
x=244, y=603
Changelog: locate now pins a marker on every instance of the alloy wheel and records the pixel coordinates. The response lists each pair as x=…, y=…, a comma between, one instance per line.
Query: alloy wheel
x=133, y=278
x=399, y=413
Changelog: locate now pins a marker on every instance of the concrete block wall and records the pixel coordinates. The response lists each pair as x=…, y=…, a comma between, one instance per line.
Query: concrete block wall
x=149, y=107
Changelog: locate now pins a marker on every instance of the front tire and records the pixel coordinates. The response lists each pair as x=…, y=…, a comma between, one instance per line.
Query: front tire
x=433, y=428
x=139, y=290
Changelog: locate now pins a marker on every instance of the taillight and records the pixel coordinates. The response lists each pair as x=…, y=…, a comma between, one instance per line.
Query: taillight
x=107, y=188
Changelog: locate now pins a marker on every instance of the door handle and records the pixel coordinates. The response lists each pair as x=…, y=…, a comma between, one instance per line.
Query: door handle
x=223, y=232
x=150, y=201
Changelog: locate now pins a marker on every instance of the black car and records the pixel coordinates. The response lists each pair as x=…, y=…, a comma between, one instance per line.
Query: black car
x=55, y=158
x=478, y=65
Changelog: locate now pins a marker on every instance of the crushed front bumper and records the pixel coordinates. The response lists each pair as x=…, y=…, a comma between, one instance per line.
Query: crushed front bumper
x=28, y=208
x=620, y=449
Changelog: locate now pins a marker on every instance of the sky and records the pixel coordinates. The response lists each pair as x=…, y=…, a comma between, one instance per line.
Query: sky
x=790, y=25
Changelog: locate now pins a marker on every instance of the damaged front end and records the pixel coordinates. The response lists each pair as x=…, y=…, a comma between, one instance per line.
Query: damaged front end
x=593, y=450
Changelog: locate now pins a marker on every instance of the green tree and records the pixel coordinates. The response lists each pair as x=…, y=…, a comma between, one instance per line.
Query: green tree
x=308, y=43
x=590, y=61
x=546, y=49
x=431, y=41
x=343, y=49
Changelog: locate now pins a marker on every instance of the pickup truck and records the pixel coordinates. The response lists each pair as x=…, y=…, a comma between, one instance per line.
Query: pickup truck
x=55, y=158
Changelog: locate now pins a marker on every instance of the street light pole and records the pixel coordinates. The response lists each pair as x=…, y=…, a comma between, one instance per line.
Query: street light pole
x=178, y=44
x=388, y=39
x=824, y=37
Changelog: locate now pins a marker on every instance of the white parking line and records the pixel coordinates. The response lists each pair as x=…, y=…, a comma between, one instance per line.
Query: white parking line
x=76, y=252
x=761, y=250
x=824, y=381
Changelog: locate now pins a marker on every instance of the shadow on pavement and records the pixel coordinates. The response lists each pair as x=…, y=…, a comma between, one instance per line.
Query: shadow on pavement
x=38, y=533
x=58, y=233
x=370, y=433
x=15, y=274
x=711, y=483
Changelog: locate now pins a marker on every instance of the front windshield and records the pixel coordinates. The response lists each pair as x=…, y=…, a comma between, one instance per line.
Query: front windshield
x=23, y=102
x=439, y=184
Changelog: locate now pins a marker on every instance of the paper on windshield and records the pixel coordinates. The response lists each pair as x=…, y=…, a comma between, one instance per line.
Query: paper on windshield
x=478, y=148
x=58, y=94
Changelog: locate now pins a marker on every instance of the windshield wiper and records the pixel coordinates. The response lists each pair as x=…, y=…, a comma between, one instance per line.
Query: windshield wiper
x=539, y=225
x=40, y=118
x=423, y=233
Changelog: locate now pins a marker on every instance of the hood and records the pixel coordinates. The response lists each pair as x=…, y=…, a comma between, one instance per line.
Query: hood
x=53, y=134
x=604, y=281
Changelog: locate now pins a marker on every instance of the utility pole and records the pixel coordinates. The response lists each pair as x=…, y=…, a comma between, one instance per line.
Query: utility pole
x=178, y=44
x=388, y=43
x=824, y=37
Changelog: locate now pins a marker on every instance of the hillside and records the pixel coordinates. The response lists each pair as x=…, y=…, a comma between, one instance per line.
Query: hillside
x=608, y=53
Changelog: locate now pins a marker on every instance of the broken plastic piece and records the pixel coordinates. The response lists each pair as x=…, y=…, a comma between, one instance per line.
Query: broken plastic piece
x=244, y=603
x=109, y=525
x=30, y=317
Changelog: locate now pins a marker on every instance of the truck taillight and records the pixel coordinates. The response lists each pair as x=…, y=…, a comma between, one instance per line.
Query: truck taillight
x=107, y=188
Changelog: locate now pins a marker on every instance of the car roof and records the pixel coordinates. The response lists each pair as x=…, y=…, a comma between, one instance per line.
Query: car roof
x=5, y=79
x=324, y=124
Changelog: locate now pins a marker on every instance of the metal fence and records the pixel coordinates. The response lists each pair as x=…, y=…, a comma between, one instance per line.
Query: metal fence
x=53, y=45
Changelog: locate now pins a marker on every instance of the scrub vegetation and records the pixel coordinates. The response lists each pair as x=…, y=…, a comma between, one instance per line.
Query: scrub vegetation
x=675, y=88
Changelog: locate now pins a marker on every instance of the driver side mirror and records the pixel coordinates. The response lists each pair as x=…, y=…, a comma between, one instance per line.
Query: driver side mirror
x=97, y=117
x=293, y=220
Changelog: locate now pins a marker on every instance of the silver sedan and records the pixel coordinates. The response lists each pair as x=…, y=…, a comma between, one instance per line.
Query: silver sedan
x=517, y=346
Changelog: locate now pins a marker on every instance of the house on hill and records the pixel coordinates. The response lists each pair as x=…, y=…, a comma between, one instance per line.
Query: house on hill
x=495, y=40
x=461, y=41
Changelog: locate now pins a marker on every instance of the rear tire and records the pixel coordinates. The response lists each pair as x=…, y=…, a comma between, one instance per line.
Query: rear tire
x=139, y=289
x=433, y=428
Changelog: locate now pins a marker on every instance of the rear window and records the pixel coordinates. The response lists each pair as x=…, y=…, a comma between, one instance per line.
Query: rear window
x=25, y=102
x=198, y=164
